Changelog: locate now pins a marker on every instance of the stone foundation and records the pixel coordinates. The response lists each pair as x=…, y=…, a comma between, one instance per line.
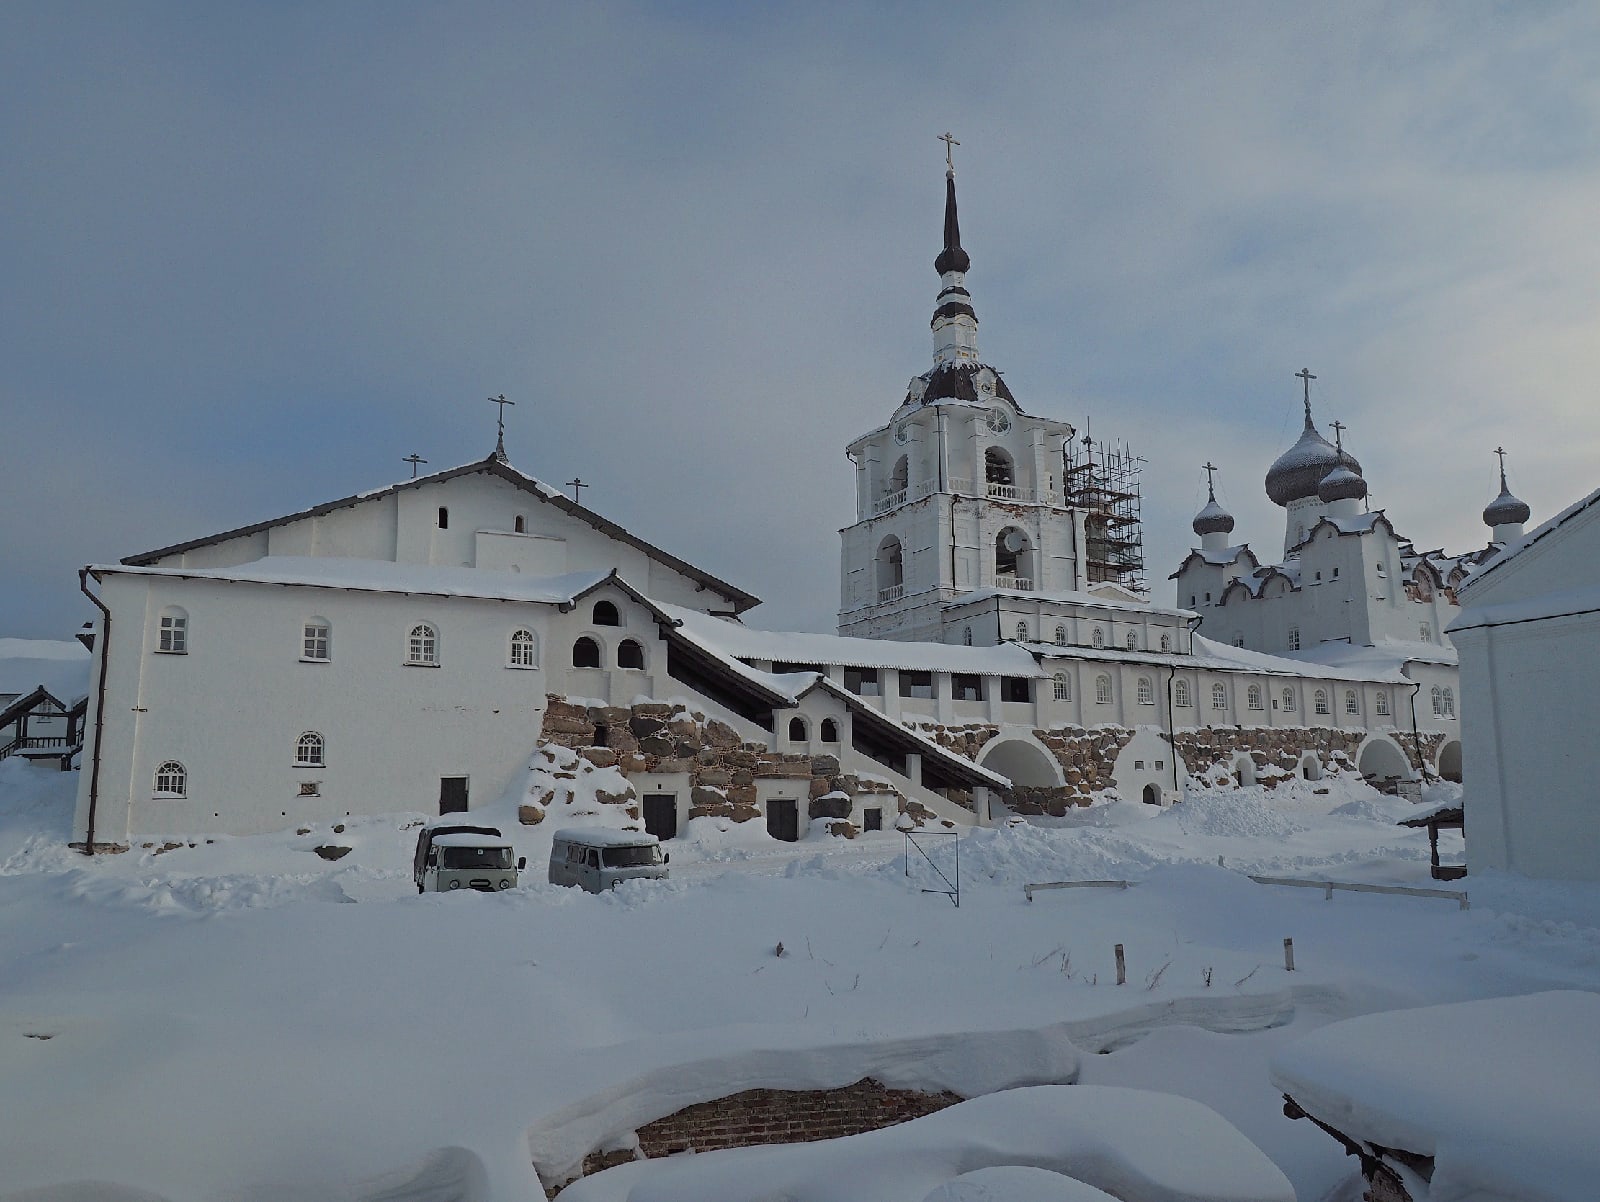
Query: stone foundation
x=655, y=738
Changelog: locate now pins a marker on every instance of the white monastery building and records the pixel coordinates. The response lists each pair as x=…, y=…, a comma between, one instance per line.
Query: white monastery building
x=416, y=647
x=1527, y=632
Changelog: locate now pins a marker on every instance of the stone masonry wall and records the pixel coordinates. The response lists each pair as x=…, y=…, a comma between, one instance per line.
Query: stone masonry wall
x=777, y=1116
x=653, y=737
x=1086, y=758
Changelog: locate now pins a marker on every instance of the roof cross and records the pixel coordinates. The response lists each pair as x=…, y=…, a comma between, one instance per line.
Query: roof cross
x=1338, y=428
x=1501, y=452
x=1304, y=374
x=500, y=424
x=413, y=459
x=949, y=144
x=577, y=486
x=1211, y=491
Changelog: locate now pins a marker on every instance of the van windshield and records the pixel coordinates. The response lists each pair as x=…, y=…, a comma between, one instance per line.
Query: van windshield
x=632, y=857
x=467, y=858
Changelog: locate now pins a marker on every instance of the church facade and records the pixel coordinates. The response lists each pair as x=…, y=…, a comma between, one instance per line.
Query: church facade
x=414, y=647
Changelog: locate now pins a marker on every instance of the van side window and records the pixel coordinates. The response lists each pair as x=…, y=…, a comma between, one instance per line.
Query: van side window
x=594, y=858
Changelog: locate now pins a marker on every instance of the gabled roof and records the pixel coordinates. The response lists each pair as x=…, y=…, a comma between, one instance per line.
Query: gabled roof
x=1217, y=559
x=495, y=466
x=1538, y=534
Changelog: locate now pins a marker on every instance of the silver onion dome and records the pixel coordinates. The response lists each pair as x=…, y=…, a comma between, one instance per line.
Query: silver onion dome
x=1213, y=519
x=1506, y=510
x=1341, y=484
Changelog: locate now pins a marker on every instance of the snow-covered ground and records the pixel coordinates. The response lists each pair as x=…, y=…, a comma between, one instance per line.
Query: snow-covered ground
x=242, y=1019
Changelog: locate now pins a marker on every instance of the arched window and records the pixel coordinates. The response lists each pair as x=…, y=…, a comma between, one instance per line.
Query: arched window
x=900, y=478
x=172, y=780
x=1063, y=686
x=1102, y=690
x=308, y=751
x=444, y=518
x=966, y=636
x=1449, y=702
x=1381, y=705
x=1061, y=636
x=1352, y=705
x=1132, y=641
x=1253, y=697
x=1098, y=638
x=1288, y=699
x=174, y=635
x=630, y=654
x=316, y=640
x=1438, y=701
x=797, y=730
x=997, y=468
x=1022, y=632
x=1425, y=632
x=520, y=525
x=828, y=732
x=524, y=649
x=1011, y=558
x=605, y=614
x=1294, y=638
x=1180, y=693
x=1166, y=642
x=585, y=653
x=422, y=645
x=1320, y=701
x=891, y=569
x=1219, y=696
x=1147, y=691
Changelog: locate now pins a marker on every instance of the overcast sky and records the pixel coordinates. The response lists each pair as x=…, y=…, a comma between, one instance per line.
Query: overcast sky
x=251, y=256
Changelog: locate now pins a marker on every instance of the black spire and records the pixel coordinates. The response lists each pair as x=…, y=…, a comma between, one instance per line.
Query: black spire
x=952, y=257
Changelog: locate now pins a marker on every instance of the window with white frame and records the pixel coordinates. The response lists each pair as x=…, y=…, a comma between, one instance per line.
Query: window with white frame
x=524, y=649
x=1320, y=701
x=1063, y=686
x=174, y=632
x=1253, y=697
x=1449, y=702
x=1425, y=632
x=1098, y=638
x=966, y=636
x=1288, y=699
x=1352, y=703
x=1294, y=638
x=1219, y=696
x=308, y=750
x=1166, y=642
x=1380, y=703
x=1181, y=695
x=1132, y=641
x=422, y=645
x=1147, y=691
x=1102, y=690
x=1238, y=640
x=1061, y=636
x=316, y=641
x=172, y=780
x=1022, y=632
x=1437, y=694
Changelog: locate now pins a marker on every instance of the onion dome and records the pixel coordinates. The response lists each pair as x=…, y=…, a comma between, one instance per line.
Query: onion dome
x=1296, y=473
x=1505, y=510
x=1213, y=519
x=1341, y=484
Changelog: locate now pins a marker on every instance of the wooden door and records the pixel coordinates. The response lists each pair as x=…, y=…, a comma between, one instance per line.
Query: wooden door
x=661, y=815
x=452, y=794
x=783, y=820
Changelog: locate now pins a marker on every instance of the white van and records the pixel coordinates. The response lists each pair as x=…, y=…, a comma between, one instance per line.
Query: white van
x=596, y=859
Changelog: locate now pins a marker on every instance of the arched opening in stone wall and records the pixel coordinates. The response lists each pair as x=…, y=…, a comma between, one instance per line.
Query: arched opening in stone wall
x=1151, y=795
x=1381, y=761
x=1449, y=763
x=1310, y=766
x=1027, y=764
x=1244, y=771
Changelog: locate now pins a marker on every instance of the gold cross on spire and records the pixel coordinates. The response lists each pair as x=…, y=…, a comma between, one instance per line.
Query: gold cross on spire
x=949, y=144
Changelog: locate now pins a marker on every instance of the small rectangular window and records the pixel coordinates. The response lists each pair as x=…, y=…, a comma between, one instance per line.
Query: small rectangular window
x=916, y=684
x=444, y=518
x=1016, y=688
x=1138, y=765
x=174, y=634
x=314, y=644
x=863, y=682
x=966, y=687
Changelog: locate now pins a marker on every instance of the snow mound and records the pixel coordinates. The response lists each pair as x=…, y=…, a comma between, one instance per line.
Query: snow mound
x=1236, y=814
x=1015, y=1183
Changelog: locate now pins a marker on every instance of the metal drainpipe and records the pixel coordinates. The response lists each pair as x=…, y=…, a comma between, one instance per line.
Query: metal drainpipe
x=1416, y=739
x=1172, y=732
x=99, y=708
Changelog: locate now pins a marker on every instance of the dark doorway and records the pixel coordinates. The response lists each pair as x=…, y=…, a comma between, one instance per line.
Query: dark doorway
x=661, y=815
x=872, y=820
x=1152, y=795
x=783, y=820
x=452, y=794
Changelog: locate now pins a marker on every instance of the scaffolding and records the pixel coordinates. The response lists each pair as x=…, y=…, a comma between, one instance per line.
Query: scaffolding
x=1102, y=479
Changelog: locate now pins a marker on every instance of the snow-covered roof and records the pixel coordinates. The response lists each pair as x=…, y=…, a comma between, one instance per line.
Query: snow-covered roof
x=468, y=839
x=928, y=747
x=493, y=465
x=60, y=667
x=1067, y=597
x=745, y=642
x=1222, y=657
x=1564, y=603
x=594, y=836
x=1500, y=1093
x=1535, y=535
x=381, y=576
x=1385, y=656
